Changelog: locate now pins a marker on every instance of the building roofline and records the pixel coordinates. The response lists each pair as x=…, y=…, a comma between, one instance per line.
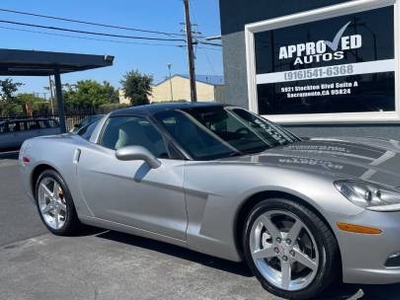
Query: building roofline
x=187, y=77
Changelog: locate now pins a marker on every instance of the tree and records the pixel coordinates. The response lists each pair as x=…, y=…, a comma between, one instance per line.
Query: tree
x=89, y=94
x=8, y=89
x=31, y=103
x=137, y=87
x=8, y=101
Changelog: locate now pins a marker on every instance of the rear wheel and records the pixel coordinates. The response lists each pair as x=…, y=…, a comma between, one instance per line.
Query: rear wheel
x=290, y=249
x=55, y=205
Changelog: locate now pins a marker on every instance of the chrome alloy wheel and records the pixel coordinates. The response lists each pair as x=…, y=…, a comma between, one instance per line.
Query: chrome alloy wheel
x=284, y=250
x=51, y=203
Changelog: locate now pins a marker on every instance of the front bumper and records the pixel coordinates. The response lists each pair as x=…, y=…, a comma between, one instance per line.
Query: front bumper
x=365, y=257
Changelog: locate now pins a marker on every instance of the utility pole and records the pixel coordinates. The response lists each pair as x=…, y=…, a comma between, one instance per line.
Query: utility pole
x=170, y=81
x=189, y=44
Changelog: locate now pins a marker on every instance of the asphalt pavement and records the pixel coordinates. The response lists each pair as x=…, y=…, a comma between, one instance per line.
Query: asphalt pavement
x=102, y=264
x=18, y=218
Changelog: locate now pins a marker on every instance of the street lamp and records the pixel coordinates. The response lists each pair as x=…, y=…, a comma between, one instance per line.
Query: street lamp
x=170, y=81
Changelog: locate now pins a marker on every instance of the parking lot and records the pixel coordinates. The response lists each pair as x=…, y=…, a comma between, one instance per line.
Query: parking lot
x=100, y=264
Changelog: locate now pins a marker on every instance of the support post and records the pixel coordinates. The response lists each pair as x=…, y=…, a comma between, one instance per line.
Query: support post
x=51, y=94
x=60, y=101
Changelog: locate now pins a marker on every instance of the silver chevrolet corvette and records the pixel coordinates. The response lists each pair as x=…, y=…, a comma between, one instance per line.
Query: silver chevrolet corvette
x=223, y=181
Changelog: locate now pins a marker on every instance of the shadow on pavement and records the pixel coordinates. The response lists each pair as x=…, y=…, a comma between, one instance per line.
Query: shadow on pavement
x=362, y=292
x=336, y=292
x=90, y=230
x=9, y=154
x=206, y=260
x=381, y=292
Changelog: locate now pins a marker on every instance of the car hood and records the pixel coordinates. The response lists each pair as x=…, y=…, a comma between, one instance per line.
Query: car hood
x=369, y=159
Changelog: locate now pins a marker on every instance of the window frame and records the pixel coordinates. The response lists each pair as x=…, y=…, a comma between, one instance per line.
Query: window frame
x=311, y=16
x=156, y=127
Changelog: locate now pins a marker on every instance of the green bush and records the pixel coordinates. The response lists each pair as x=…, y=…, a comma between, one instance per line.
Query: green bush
x=10, y=109
x=169, y=101
x=40, y=107
x=106, y=108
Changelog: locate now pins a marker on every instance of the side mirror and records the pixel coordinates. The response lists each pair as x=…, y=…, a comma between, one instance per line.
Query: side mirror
x=137, y=153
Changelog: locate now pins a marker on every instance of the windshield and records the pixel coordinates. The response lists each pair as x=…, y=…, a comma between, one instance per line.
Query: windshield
x=215, y=132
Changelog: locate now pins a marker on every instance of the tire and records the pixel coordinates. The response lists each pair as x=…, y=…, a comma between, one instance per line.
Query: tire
x=55, y=205
x=290, y=250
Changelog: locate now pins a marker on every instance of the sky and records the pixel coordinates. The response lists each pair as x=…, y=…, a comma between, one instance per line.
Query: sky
x=150, y=57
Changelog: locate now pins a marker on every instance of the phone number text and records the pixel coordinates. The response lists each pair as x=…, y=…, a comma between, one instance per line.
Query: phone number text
x=319, y=72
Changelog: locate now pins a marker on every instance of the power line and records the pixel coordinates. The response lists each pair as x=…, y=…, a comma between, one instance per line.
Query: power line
x=93, y=32
x=210, y=44
x=210, y=49
x=105, y=34
x=90, y=23
x=89, y=38
x=94, y=24
x=202, y=47
x=209, y=62
x=197, y=40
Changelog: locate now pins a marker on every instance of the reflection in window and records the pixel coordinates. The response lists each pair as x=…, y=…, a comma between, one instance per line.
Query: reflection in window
x=215, y=132
x=133, y=131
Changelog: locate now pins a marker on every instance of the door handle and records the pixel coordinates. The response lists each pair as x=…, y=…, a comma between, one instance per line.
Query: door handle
x=77, y=156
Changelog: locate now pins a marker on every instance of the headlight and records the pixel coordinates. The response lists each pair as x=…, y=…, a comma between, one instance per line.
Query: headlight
x=369, y=196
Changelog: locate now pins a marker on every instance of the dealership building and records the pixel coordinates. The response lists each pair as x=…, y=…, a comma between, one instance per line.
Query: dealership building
x=321, y=67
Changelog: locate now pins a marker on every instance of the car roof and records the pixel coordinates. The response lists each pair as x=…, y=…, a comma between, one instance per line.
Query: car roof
x=26, y=119
x=151, y=109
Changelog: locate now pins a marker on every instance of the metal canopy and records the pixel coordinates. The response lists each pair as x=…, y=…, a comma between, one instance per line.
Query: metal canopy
x=42, y=63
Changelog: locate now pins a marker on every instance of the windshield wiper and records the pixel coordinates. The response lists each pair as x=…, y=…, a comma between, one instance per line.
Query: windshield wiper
x=236, y=153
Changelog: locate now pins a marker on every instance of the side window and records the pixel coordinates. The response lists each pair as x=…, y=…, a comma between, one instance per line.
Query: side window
x=129, y=131
x=42, y=124
x=4, y=128
x=86, y=131
x=32, y=125
x=28, y=125
x=53, y=123
x=12, y=127
x=20, y=126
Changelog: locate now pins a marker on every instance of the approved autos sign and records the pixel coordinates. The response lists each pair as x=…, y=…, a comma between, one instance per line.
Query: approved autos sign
x=322, y=50
x=341, y=64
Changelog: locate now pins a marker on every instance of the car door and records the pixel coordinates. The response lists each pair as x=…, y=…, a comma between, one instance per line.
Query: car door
x=6, y=136
x=36, y=128
x=17, y=133
x=130, y=192
x=48, y=127
x=27, y=130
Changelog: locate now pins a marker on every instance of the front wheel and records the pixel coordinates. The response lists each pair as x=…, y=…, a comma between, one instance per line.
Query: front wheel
x=290, y=249
x=55, y=205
